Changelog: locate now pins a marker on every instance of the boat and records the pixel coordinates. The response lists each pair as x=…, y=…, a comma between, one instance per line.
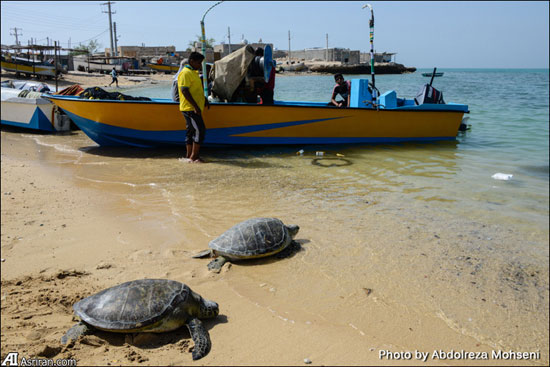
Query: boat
x=371, y=117
x=434, y=74
x=165, y=68
x=159, y=122
x=28, y=67
x=104, y=64
x=22, y=105
x=291, y=66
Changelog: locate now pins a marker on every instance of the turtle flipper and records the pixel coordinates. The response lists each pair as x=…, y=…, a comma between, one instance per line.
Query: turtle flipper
x=73, y=333
x=216, y=264
x=200, y=337
x=204, y=253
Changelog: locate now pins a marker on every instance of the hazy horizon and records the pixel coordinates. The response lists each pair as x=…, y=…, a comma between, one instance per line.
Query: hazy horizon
x=485, y=35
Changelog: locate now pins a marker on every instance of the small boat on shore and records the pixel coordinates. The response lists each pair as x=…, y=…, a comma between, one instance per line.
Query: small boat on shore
x=23, y=105
x=30, y=111
x=159, y=122
x=165, y=68
x=27, y=67
x=291, y=66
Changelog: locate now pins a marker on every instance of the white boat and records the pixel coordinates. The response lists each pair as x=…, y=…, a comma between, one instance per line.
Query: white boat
x=102, y=64
x=26, y=108
x=292, y=66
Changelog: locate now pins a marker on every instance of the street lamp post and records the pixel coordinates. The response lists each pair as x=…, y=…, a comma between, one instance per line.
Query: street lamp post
x=371, y=26
x=203, y=41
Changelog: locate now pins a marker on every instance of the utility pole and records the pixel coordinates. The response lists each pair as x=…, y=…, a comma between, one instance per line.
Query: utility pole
x=16, y=34
x=55, y=58
x=326, y=53
x=289, y=45
x=229, y=39
x=116, y=39
x=108, y=3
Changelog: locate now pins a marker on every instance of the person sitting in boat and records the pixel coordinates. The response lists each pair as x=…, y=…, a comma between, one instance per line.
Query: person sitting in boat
x=342, y=88
x=114, y=76
x=265, y=90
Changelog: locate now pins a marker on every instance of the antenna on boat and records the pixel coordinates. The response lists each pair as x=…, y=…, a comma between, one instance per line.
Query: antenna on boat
x=203, y=41
x=433, y=75
x=371, y=25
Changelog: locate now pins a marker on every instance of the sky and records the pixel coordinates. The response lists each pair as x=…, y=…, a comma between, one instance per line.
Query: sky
x=424, y=34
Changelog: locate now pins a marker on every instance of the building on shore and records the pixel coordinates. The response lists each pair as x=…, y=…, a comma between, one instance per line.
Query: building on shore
x=225, y=49
x=169, y=54
x=378, y=57
x=335, y=54
x=341, y=55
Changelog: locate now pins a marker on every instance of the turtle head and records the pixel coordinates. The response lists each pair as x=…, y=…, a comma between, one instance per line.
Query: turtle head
x=293, y=230
x=208, y=309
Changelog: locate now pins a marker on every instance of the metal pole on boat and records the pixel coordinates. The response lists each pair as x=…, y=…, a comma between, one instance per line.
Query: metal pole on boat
x=371, y=26
x=55, y=70
x=203, y=41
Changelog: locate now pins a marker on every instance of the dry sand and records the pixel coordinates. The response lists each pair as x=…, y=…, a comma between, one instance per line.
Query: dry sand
x=57, y=247
x=86, y=80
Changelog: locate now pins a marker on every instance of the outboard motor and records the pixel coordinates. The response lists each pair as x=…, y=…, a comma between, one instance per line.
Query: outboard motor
x=261, y=65
x=258, y=73
x=429, y=94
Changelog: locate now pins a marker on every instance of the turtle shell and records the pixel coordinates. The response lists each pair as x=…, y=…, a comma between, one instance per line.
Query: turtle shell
x=133, y=304
x=254, y=237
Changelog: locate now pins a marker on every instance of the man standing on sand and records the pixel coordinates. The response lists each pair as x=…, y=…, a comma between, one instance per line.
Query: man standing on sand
x=192, y=102
x=115, y=78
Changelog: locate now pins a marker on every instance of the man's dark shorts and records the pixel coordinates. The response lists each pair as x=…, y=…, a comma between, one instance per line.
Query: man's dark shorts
x=196, y=130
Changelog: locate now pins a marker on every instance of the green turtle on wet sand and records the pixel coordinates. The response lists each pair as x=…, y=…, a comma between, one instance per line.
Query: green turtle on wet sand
x=253, y=238
x=146, y=305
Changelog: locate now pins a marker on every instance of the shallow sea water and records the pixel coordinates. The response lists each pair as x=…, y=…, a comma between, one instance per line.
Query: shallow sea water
x=424, y=226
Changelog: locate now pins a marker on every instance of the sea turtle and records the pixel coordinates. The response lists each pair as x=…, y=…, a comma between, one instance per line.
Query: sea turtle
x=253, y=238
x=146, y=305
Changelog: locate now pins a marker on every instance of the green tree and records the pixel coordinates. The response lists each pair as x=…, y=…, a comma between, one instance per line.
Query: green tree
x=91, y=47
x=209, y=42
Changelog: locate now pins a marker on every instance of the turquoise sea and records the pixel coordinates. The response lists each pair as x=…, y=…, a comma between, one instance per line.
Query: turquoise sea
x=424, y=226
x=509, y=134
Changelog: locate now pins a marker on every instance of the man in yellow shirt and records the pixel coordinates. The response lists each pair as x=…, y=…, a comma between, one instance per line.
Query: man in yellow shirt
x=192, y=102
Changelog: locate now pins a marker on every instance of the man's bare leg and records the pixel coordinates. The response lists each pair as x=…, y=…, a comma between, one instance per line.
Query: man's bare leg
x=195, y=153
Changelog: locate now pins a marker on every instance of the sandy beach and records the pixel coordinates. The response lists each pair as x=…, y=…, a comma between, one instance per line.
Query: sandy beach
x=77, y=219
x=86, y=80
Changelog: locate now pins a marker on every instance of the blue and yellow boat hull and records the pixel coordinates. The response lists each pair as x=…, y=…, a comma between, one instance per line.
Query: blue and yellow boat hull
x=159, y=122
